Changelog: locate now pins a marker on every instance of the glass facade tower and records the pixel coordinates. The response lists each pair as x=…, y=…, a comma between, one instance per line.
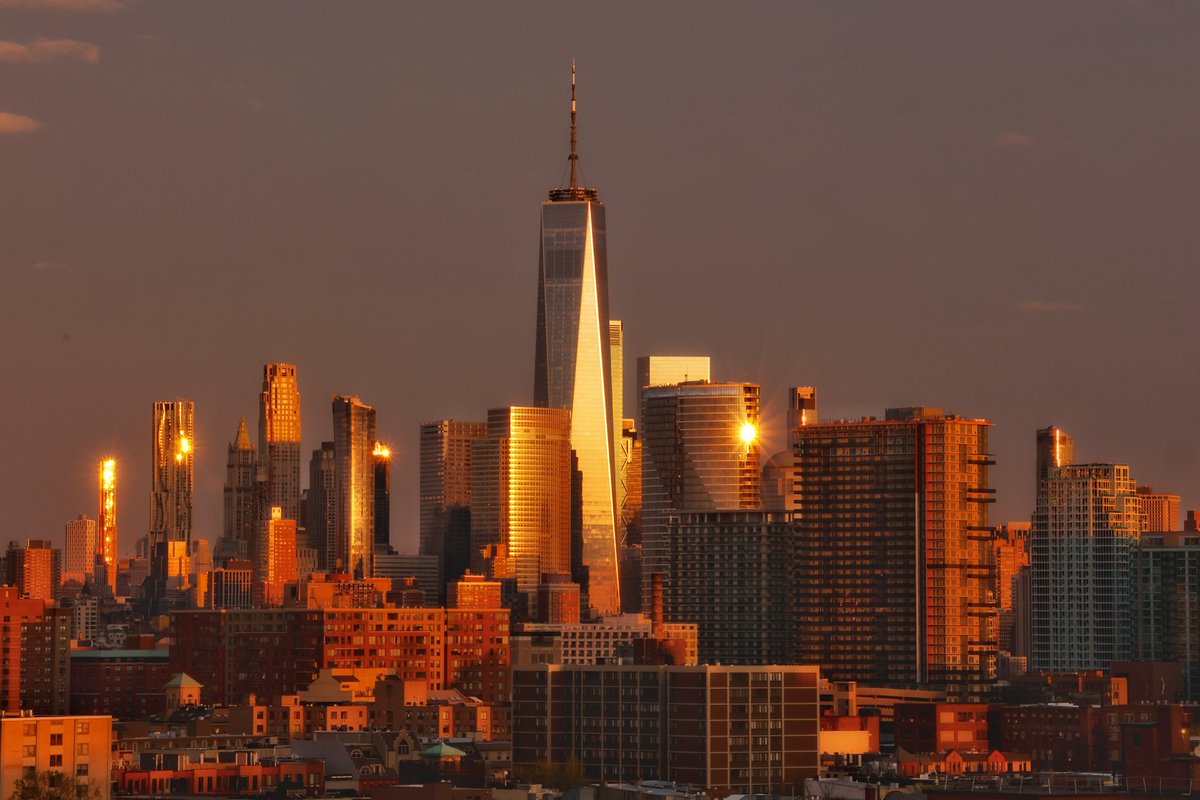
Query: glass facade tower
x=354, y=478
x=573, y=364
x=171, y=486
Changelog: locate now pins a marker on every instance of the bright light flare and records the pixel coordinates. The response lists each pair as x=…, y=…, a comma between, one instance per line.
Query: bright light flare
x=185, y=444
x=382, y=450
x=749, y=433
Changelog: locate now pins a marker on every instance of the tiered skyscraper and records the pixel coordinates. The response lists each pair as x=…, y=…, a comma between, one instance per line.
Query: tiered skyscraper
x=353, y=449
x=172, y=462
x=241, y=507
x=279, y=441
x=573, y=364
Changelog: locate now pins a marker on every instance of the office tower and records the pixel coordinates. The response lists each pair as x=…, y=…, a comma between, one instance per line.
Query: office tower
x=81, y=547
x=171, y=483
x=1161, y=509
x=894, y=575
x=425, y=568
x=669, y=370
x=1166, y=604
x=1085, y=530
x=321, y=516
x=629, y=477
x=106, y=531
x=34, y=568
x=353, y=444
x=573, y=363
x=1055, y=448
x=521, y=493
x=699, y=453
x=279, y=440
x=802, y=409
x=382, y=488
x=241, y=509
x=733, y=574
x=730, y=729
x=445, y=493
x=616, y=350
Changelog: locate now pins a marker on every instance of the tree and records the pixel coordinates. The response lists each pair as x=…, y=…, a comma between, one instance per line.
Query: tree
x=51, y=785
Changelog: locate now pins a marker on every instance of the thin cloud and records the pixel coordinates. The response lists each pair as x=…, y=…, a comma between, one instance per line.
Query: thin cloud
x=1048, y=307
x=45, y=51
x=48, y=266
x=104, y=6
x=1012, y=140
x=17, y=123
x=236, y=92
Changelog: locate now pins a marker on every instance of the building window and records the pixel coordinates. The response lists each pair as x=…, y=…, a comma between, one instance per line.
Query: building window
x=56, y=760
x=81, y=749
x=56, y=740
x=81, y=769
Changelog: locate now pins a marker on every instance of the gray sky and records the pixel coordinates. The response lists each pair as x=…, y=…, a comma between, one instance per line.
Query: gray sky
x=990, y=207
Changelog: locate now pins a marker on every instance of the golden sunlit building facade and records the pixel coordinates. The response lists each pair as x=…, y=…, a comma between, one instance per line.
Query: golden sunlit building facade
x=699, y=453
x=521, y=493
x=279, y=440
x=106, y=531
x=77, y=751
x=354, y=476
x=172, y=481
x=573, y=363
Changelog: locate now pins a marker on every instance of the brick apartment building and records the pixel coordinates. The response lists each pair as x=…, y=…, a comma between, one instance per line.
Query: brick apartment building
x=730, y=729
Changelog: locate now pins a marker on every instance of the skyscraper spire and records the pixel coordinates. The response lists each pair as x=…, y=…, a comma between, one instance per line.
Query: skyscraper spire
x=574, y=157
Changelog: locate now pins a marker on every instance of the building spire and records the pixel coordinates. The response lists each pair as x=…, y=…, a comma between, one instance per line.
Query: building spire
x=574, y=157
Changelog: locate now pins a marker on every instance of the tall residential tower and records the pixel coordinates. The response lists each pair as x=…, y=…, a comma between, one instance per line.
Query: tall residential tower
x=353, y=448
x=573, y=363
x=106, y=530
x=172, y=465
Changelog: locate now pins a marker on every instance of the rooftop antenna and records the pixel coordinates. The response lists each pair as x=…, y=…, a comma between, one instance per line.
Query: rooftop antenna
x=574, y=157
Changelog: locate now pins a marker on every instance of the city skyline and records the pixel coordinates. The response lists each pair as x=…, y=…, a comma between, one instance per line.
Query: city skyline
x=1028, y=319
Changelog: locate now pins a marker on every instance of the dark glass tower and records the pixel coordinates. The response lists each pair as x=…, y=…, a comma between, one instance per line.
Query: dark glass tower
x=383, y=497
x=572, y=362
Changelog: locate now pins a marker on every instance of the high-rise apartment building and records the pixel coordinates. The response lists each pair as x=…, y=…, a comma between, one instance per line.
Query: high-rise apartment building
x=1055, y=448
x=279, y=440
x=276, y=557
x=445, y=487
x=1166, y=604
x=321, y=516
x=699, y=453
x=1011, y=556
x=1081, y=549
x=733, y=574
x=106, y=532
x=81, y=547
x=521, y=493
x=242, y=516
x=172, y=469
x=573, y=362
x=1161, y=509
x=35, y=568
x=382, y=488
x=894, y=576
x=353, y=445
